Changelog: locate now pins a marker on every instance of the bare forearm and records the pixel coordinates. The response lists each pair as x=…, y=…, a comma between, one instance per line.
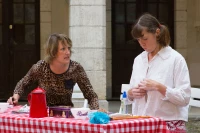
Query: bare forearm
x=16, y=96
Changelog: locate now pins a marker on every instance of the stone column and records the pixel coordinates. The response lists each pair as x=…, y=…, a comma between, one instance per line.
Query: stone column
x=45, y=23
x=181, y=27
x=87, y=29
x=197, y=15
x=194, y=41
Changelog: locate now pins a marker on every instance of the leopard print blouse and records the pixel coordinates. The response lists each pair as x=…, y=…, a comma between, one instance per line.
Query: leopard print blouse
x=59, y=87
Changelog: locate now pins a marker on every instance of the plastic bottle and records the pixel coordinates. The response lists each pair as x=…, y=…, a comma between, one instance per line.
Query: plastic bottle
x=124, y=106
x=124, y=96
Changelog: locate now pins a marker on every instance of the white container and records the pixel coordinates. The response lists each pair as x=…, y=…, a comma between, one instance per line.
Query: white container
x=3, y=106
x=80, y=113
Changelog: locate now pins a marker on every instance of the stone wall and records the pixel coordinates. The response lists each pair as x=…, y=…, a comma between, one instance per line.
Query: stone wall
x=53, y=19
x=87, y=29
x=187, y=25
x=180, y=27
x=193, y=41
x=45, y=23
x=187, y=35
x=108, y=50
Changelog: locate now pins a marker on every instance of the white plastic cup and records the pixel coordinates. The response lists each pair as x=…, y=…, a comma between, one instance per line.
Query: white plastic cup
x=3, y=106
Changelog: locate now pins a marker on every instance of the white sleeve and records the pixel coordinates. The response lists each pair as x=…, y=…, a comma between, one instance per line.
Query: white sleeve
x=180, y=94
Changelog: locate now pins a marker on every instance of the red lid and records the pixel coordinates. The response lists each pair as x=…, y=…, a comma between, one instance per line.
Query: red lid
x=38, y=90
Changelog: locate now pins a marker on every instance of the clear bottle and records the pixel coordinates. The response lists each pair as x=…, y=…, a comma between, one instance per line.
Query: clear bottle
x=125, y=102
x=124, y=106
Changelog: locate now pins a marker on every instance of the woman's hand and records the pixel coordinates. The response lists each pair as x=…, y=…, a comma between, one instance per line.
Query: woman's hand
x=136, y=93
x=148, y=84
x=152, y=85
x=14, y=99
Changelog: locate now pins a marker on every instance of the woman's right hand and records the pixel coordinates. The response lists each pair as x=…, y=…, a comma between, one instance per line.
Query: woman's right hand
x=136, y=93
x=13, y=100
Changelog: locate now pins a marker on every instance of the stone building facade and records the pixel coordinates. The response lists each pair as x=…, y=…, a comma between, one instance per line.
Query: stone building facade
x=88, y=24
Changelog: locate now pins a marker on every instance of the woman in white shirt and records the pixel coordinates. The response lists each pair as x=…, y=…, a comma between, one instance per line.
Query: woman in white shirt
x=160, y=83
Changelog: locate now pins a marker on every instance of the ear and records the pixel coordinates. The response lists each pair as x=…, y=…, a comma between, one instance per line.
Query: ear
x=157, y=32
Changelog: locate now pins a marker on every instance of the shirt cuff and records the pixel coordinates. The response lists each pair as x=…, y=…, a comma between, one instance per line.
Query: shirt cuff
x=129, y=99
x=166, y=94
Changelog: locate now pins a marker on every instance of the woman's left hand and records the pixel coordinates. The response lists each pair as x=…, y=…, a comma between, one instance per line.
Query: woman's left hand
x=148, y=84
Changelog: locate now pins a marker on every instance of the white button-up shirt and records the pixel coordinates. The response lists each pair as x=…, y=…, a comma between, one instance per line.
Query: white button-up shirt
x=170, y=69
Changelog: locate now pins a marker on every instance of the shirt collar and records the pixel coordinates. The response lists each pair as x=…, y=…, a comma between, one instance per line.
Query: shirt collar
x=164, y=53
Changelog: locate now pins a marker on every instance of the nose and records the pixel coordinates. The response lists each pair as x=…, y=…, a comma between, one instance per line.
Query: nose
x=141, y=42
x=67, y=51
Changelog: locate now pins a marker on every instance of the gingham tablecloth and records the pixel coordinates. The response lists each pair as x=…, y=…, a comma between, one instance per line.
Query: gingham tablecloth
x=22, y=123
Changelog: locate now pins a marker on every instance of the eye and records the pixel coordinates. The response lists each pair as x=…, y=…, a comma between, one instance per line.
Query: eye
x=63, y=49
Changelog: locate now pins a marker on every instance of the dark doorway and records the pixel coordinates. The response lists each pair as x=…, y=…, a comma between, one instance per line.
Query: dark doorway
x=124, y=48
x=19, y=41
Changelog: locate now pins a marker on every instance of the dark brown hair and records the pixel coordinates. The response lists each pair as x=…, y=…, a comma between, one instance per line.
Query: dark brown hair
x=151, y=24
x=51, y=47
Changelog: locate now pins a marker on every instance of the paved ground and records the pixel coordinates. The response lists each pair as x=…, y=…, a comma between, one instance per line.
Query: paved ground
x=193, y=125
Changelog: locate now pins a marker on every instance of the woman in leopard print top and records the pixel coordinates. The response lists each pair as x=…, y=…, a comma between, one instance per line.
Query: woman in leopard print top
x=57, y=75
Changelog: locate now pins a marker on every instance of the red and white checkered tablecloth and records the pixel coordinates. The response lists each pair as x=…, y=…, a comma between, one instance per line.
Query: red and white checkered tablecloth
x=22, y=123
